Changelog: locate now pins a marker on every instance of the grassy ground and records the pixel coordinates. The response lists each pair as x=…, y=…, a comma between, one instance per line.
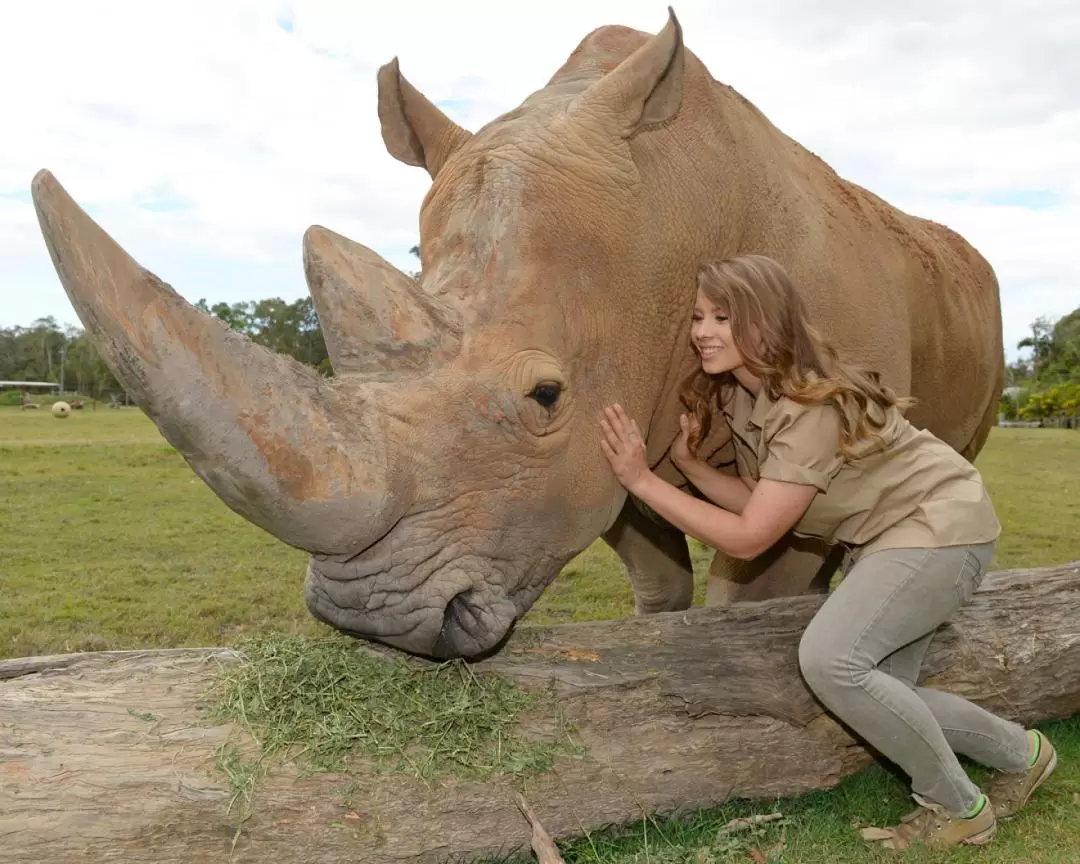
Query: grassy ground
x=110, y=541
x=821, y=827
x=113, y=542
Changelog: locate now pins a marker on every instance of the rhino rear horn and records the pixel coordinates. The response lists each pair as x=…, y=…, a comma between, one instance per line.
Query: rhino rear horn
x=375, y=319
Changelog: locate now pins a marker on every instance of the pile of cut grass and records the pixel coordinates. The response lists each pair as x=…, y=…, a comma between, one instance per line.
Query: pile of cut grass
x=328, y=704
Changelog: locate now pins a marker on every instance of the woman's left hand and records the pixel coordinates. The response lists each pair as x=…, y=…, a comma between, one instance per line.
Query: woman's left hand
x=623, y=445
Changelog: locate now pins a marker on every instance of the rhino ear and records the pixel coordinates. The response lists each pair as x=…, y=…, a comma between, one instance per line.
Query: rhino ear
x=413, y=129
x=645, y=89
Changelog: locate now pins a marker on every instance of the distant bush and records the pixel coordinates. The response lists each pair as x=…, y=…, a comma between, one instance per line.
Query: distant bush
x=1058, y=402
x=1008, y=408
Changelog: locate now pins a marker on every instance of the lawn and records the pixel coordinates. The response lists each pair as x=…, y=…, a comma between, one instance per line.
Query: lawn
x=110, y=541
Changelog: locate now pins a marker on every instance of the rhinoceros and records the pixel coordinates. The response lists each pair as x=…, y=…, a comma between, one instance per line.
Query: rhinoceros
x=451, y=467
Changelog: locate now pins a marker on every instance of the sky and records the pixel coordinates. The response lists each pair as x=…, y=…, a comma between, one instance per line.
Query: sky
x=206, y=136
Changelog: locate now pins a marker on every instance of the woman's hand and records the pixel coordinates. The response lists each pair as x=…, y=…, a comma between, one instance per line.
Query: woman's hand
x=624, y=447
x=680, y=450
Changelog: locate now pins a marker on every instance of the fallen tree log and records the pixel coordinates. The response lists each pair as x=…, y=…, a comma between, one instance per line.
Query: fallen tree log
x=103, y=756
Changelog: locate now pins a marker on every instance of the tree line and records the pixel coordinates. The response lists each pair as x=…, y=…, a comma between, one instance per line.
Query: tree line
x=287, y=328
x=67, y=356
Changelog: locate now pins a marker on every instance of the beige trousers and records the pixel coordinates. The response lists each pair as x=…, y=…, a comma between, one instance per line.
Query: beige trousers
x=861, y=655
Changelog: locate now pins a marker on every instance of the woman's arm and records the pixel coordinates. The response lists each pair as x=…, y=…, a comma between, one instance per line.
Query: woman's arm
x=727, y=491
x=773, y=508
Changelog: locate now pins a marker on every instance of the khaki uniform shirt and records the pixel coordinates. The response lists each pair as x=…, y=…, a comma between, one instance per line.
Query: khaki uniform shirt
x=917, y=492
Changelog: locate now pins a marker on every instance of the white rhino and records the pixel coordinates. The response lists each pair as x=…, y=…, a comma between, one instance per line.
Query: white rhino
x=452, y=467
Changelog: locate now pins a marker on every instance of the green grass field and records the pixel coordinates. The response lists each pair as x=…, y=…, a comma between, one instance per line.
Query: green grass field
x=110, y=541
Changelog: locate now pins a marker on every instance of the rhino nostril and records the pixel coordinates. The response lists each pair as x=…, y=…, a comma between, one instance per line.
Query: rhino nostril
x=460, y=611
x=472, y=627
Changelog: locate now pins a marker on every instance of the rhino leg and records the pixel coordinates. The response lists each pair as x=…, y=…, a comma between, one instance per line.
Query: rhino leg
x=657, y=561
x=795, y=565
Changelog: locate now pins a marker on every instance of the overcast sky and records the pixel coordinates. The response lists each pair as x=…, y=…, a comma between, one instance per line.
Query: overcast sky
x=207, y=136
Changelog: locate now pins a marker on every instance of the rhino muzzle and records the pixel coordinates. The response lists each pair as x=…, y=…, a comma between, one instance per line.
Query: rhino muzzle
x=460, y=612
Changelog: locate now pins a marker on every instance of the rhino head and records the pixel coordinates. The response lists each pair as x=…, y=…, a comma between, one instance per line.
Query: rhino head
x=451, y=467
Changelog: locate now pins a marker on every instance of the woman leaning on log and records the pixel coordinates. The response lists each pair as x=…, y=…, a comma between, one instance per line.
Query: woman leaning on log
x=824, y=449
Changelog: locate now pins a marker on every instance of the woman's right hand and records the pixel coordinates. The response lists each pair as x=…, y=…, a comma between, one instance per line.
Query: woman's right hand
x=680, y=450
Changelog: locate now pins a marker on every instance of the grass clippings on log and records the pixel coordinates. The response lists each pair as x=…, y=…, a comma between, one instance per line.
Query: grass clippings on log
x=324, y=703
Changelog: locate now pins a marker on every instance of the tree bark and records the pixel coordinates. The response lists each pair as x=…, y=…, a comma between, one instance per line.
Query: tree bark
x=676, y=710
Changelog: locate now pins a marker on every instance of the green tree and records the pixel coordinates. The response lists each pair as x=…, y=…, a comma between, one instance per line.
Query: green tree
x=31, y=353
x=1041, y=344
x=1065, y=341
x=287, y=328
x=44, y=352
x=1055, y=353
x=92, y=375
x=1051, y=381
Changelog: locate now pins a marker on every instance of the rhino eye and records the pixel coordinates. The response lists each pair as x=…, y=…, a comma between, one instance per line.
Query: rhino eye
x=546, y=394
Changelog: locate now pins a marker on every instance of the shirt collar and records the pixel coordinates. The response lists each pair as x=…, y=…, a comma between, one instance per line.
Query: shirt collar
x=742, y=404
x=762, y=405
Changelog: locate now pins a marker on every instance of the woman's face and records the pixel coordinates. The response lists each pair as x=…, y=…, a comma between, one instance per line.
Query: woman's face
x=710, y=331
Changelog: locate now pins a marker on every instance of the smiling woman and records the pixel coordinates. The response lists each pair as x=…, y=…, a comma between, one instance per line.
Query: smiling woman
x=828, y=454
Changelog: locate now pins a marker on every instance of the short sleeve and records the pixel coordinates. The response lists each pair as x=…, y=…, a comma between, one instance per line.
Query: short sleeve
x=801, y=444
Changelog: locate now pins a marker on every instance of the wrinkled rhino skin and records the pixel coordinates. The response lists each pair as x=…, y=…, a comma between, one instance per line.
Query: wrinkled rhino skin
x=452, y=467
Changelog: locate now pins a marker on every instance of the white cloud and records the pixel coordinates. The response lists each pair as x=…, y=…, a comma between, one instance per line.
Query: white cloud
x=242, y=132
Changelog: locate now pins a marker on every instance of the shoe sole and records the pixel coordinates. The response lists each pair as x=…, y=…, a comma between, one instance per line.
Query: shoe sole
x=1047, y=771
x=982, y=838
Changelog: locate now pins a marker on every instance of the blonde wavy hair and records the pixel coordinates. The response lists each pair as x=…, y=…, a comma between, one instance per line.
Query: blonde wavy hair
x=789, y=355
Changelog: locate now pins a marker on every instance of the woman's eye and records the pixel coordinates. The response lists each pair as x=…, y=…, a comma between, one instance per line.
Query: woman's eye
x=546, y=394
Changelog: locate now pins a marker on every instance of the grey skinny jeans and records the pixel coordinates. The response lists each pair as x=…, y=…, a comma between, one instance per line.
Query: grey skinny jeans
x=861, y=655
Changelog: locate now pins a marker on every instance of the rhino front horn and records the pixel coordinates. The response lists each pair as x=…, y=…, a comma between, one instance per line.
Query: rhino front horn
x=277, y=442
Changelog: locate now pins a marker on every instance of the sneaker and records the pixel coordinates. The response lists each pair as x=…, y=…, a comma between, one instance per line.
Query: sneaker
x=937, y=828
x=1010, y=792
